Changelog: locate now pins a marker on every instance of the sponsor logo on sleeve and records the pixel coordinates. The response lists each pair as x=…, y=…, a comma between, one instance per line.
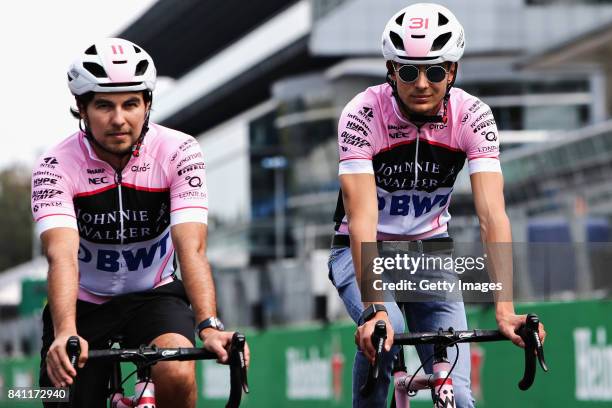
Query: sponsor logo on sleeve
x=45, y=194
x=45, y=205
x=482, y=116
x=185, y=145
x=192, y=167
x=44, y=181
x=465, y=118
x=186, y=159
x=47, y=173
x=487, y=149
x=350, y=125
x=485, y=124
x=344, y=148
x=194, y=181
x=475, y=106
x=490, y=136
x=49, y=162
x=353, y=140
x=359, y=120
x=367, y=113
x=192, y=195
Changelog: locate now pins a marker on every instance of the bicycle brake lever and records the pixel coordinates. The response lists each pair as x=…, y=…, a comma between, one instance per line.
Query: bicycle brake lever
x=534, y=321
x=533, y=347
x=539, y=347
x=541, y=360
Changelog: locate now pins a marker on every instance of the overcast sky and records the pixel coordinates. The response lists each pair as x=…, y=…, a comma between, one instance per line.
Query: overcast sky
x=39, y=39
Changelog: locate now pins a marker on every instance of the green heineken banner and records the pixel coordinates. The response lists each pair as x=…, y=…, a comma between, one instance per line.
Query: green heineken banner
x=311, y=366
x=578, y=354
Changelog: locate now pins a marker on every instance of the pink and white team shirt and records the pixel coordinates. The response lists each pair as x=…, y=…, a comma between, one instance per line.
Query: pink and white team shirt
x=414, y=167
x=123, y=218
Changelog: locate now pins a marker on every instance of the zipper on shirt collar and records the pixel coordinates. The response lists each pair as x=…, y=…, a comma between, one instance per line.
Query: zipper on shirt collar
x=416, y=157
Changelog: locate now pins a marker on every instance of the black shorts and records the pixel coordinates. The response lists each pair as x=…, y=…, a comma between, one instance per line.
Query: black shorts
x=138, y=317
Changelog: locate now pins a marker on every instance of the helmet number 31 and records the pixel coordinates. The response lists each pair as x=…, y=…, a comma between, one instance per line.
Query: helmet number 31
x=417, y=22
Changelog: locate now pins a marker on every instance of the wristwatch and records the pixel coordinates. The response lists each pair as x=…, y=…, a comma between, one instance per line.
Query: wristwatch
x=212, y=322
x=371, y=310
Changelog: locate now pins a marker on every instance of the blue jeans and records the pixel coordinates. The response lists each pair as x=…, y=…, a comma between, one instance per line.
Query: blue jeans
x=423, y=316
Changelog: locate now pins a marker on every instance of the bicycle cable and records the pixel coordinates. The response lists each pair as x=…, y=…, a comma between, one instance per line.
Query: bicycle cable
x=449, y=371
x=148, y=363
x=127, y=378
x=414, y=375
x=422, y=366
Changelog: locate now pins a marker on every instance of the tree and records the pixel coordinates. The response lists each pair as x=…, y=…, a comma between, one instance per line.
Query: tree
x=15, y=217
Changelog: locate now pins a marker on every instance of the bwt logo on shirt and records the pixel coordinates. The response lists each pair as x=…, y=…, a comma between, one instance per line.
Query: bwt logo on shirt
x=400, y=204
x=109, y=260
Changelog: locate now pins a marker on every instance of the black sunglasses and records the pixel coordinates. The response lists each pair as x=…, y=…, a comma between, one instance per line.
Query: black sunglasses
x=410, y=73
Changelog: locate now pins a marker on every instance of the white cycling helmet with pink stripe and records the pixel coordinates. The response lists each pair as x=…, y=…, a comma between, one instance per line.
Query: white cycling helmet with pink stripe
x=423, y=33
x=112, y=65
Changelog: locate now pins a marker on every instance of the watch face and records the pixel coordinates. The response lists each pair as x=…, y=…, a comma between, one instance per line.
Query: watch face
x=211, y=322
x=216, y=323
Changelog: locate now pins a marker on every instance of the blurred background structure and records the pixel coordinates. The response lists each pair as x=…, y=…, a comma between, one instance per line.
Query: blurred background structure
x=262, y=84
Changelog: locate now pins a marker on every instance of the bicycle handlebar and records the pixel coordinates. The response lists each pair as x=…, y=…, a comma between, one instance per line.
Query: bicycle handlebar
x=153, y=354
x=379, y=336
x=527, y=331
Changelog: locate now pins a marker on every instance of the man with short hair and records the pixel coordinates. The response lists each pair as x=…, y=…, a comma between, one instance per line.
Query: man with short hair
x=115, y=204
x=402, y=145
